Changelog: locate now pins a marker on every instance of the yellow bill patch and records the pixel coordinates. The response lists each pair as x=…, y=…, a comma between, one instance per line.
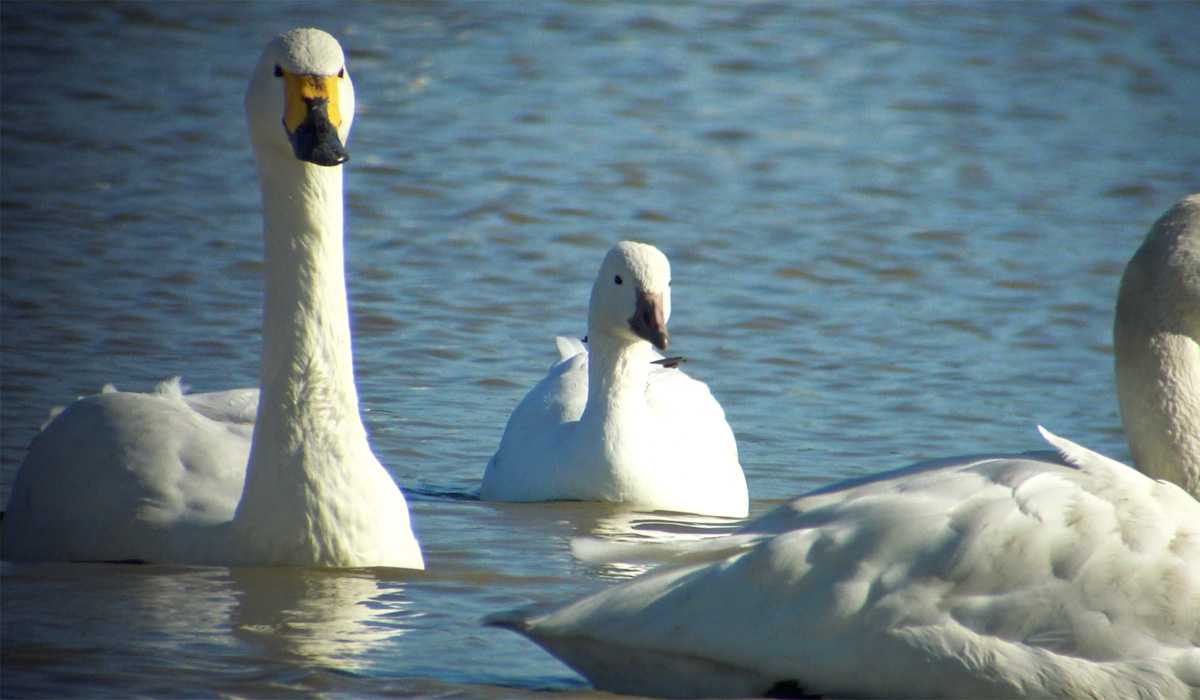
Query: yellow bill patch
x=300, y=90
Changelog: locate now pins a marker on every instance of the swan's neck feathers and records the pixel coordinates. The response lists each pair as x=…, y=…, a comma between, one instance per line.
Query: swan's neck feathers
x=1156, y=341
x=613, y=434
x=1158, y=385
x=618, y=370
x=308, y=436
x=306, y=322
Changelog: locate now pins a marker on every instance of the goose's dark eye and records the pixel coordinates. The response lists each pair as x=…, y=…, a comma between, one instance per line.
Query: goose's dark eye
x=278, y=71
x=617, y=279
x=342, y=72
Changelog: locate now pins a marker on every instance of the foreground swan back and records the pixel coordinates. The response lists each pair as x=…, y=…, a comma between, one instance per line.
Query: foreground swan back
x=165, y=477
x=613, y=423
x=1053, y=575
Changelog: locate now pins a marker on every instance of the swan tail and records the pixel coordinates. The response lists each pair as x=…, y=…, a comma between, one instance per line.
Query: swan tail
x=568, y=347
x=1081, y=457
x=171, y=387
x=1073, y=454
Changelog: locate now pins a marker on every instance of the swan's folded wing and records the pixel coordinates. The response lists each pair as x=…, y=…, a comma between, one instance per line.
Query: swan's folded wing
x=689, y=417
x=994, y=577
x=559, y=397
x=236, y=408
x=518, y=468
x=113, y=462
x=674, y=396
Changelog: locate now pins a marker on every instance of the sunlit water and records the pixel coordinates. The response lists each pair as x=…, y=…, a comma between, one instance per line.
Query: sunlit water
x=896, y=232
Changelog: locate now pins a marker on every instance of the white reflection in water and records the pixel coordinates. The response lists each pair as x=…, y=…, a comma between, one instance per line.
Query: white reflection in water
x=625, y=544
x=320, y=617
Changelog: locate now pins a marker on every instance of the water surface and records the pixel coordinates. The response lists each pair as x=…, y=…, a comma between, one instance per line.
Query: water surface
x=896, y=232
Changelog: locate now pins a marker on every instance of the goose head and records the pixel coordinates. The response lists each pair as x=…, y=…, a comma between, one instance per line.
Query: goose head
x=300, y=101
x=631, y=298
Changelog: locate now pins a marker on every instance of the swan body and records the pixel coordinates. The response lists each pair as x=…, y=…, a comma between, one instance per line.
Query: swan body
x=1057, y=575
x=610, y=423
x=280, y=475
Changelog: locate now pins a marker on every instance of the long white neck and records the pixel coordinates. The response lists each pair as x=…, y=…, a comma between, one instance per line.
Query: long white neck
x=1157, y=384
x=615, y=418
x=617, y=374
x=1155, y=336
x=308, y=427
x=306, y=322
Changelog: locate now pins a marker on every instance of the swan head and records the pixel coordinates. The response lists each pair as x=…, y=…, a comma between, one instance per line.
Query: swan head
x=300, y=101
x=631, y=298
x=1160, y=290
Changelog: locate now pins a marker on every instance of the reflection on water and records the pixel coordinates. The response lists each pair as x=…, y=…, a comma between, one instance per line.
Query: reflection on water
x=624, y=544
x=197, y=620
x=611, y=542
x=896, y=231
x=322, y=618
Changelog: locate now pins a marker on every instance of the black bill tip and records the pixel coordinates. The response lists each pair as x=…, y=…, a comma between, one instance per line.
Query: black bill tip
x=670, y=362
x=316, y=140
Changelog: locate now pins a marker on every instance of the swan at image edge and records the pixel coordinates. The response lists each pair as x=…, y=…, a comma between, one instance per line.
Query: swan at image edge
x=1042, y=576
x=169, y=477
x=610, y=422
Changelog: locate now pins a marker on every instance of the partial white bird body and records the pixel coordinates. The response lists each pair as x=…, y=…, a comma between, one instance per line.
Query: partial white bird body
x=608, y=423
x=236, y=408
x=1065, y=575
x=121, y=467
x=281, y=475
x=1002, y=577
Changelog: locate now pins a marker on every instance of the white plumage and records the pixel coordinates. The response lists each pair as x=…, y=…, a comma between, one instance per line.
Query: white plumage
x=609, y=424
x=281, y=477
x=1060, y=575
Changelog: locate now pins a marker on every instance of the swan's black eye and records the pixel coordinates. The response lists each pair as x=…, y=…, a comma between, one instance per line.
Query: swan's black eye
x=342, y=72
x=617, y=279
x=278, y=71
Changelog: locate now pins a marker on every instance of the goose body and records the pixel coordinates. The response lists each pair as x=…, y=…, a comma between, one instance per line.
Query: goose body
x=1056, y=575
x=610, y=422
x=279, y=475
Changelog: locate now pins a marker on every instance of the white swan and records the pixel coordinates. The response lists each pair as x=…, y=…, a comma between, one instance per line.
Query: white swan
x=1065, y=575
x=614, y=424
x=164, y=477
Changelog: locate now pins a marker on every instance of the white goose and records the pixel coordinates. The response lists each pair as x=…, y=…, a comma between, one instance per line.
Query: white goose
x=1065, y=575
x=615, y=424
x=164, y=477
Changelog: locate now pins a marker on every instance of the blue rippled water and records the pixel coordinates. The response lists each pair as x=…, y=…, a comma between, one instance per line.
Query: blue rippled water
x=896, y=232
